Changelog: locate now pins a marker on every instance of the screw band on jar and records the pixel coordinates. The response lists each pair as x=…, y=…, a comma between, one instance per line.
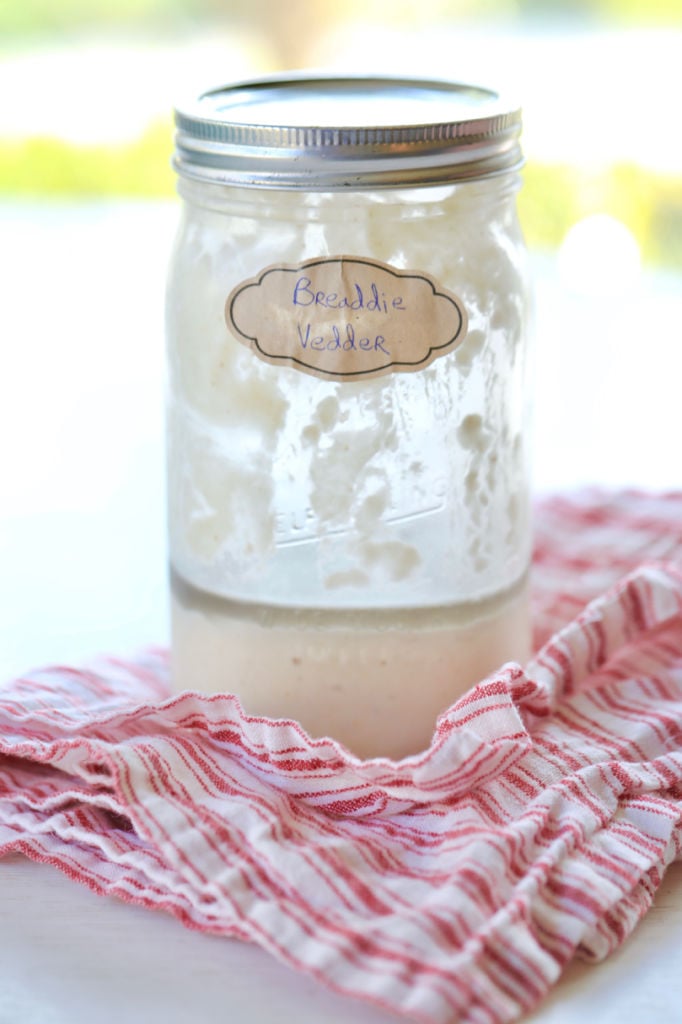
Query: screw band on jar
x=247, y=134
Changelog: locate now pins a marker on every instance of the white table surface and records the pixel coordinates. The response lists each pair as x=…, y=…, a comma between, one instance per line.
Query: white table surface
x=82, y=570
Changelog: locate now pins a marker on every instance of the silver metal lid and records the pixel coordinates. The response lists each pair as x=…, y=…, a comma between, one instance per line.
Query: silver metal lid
x=326, y=133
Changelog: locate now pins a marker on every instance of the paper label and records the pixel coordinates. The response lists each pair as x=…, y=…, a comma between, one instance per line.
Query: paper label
x=346, y=318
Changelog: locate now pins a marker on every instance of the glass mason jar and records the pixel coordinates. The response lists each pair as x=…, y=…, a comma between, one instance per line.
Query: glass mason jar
x=347, y=410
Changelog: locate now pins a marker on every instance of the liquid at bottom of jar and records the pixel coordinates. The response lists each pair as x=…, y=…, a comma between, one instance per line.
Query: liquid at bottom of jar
x=374, y=680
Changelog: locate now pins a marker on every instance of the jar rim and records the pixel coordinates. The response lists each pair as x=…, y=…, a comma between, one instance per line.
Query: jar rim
x=327, y=132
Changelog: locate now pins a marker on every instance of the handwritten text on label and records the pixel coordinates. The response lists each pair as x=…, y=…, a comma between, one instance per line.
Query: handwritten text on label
x=345, y=317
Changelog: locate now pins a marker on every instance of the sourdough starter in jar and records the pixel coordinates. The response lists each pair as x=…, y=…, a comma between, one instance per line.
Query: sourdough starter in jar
x=348, y=479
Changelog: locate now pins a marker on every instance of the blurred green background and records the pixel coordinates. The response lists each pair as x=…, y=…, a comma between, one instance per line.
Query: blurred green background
x=87, y=88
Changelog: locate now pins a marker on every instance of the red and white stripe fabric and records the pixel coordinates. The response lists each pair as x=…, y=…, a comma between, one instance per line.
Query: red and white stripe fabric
x=454, y=886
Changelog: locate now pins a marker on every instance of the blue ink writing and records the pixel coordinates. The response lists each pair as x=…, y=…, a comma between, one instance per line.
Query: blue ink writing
x=304, y=294
x=346, y=341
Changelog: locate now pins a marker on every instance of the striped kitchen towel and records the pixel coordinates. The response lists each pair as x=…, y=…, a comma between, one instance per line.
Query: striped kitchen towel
x=453, y=886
